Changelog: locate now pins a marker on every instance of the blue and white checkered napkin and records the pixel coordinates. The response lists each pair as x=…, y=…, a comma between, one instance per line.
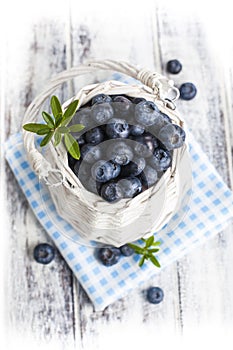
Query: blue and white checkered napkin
x=208, y=212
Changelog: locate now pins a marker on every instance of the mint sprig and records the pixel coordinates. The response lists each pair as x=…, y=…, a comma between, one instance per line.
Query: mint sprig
x=147, y=251
x=56, y=126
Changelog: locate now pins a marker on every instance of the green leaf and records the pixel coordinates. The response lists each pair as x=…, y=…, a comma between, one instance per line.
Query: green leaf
x=57, y=138
x=46, y=139
x=56, y=107
x=155, y=250
x=48, y=119
x=34, y=127
x=76, y=127
x=63, y=129
x=141, y=262
x=69, y=112
x=136, y=248
x=154, y=261
x=72, y=146
x=155, y=244
x=43, y=131
x=149, y=241
x=58, y=120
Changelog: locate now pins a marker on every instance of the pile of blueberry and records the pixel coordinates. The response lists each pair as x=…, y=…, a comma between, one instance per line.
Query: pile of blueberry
x=126, y=145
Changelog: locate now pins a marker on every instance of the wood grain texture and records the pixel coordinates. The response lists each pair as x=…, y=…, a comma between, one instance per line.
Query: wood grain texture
x=39, y=298
x=204, y=297
x=45, y=302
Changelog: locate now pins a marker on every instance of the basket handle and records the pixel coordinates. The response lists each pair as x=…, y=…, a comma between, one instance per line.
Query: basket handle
x=159, y=85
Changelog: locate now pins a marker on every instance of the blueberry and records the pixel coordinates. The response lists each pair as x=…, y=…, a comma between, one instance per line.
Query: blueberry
x=161, y=159
x=111, y=192
x=146, y=113
x=92, y=185
x=80, y=140
x=91, y=153
x=82, y=171
x=116, y=169
x=188, y=91
x=120, y=153
x=126, y=250
x=44, y=253
x=163, y=119
x=102, y=112
x=103, y=171
x=71, y=161
x=137, y=100
x=131, y=186
x=133, y=168
x=83, y=116
x=144, y=145
x=155, y=295
x=149, y=176
x=122, y=105
x=109, y=255
x=94, y=136
x=174, y=66
x=117, y=128
x=136, y=130
x=172, y=136
x=101, y=98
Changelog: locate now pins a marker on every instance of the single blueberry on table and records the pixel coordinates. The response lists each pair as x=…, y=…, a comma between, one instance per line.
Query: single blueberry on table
x=161, y=159
x=109, y=255
x=131, y=186
x=187, y=91
x=91, y=153
x=117, y=128
x=44, y=253
x=101, y=98
x=171, y=136
x=94, y=136
x=102, y=112
x=103, y=171
x=126, y=250
x=120, y=153
x=155, y=295
x=111, y=192
x=133, y=168
x=146, y=113
x=174, y=66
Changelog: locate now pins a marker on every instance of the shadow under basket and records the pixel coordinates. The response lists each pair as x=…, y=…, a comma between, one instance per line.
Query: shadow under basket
x=95, y=219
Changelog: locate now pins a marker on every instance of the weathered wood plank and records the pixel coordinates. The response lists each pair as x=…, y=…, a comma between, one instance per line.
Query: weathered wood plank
x=39, y=298
x=205, y=275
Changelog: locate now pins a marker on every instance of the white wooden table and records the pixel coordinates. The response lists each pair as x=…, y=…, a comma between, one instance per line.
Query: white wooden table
x=45, y=305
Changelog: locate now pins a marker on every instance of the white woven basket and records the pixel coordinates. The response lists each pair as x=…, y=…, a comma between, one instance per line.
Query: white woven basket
x=92, y=217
